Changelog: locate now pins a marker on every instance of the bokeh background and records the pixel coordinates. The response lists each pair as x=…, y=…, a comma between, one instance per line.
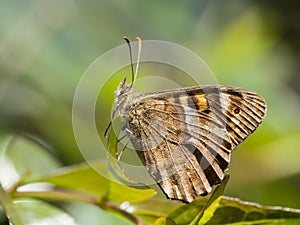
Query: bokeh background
x=46, y=46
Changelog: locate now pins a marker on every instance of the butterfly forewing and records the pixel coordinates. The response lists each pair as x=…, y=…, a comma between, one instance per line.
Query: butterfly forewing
x=184, y=137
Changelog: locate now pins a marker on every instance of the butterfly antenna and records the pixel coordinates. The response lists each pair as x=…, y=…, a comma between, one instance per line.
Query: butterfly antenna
x=131, y=64
x=139, y=40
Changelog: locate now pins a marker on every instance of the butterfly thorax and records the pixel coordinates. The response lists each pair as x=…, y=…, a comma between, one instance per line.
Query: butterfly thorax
x=124, y=97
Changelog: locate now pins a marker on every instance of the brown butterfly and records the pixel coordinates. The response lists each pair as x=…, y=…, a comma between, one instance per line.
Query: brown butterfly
x=184, y=137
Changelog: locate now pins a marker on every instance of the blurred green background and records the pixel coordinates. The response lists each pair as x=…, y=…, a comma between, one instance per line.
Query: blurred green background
x=46, y=45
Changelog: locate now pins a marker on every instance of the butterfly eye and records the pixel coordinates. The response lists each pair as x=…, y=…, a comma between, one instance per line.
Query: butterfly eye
x=236, y=110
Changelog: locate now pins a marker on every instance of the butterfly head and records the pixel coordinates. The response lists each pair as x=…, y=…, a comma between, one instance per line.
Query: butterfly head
x=122, y=97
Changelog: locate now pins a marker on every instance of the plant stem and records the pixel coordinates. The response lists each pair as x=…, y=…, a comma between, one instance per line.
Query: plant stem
x=10, y=209
x=107, y=205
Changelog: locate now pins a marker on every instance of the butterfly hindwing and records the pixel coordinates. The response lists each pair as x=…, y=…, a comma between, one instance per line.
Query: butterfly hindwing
x=184, y=137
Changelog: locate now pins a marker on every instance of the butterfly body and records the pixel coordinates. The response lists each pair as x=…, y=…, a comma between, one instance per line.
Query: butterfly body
x=184, y=137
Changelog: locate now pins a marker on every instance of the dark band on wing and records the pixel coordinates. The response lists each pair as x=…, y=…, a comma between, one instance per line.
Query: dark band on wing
x=234, y=93
x=209, y=172
x=222, y=162
x=207, y=168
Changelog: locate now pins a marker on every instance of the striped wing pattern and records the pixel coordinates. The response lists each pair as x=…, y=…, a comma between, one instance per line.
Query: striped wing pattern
x=184, y=137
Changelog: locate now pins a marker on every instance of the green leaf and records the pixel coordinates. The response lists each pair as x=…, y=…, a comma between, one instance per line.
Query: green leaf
x=121, y=193
x=8, y=174
x=95, y=215
x=225, y=210
x=84, y=178
x=153, y=209
x=39, y=212
x=81, y=178
x=161, y=221
x=213, y=203
x=30, y=158
x=235, y=211
x=184, y=214
x=165, y=221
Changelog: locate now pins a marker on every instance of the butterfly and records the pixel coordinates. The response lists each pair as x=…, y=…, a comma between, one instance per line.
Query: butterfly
x=184, y=137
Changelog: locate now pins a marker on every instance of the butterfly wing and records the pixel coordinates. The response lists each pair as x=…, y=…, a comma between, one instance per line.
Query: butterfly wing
x=184, y=137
